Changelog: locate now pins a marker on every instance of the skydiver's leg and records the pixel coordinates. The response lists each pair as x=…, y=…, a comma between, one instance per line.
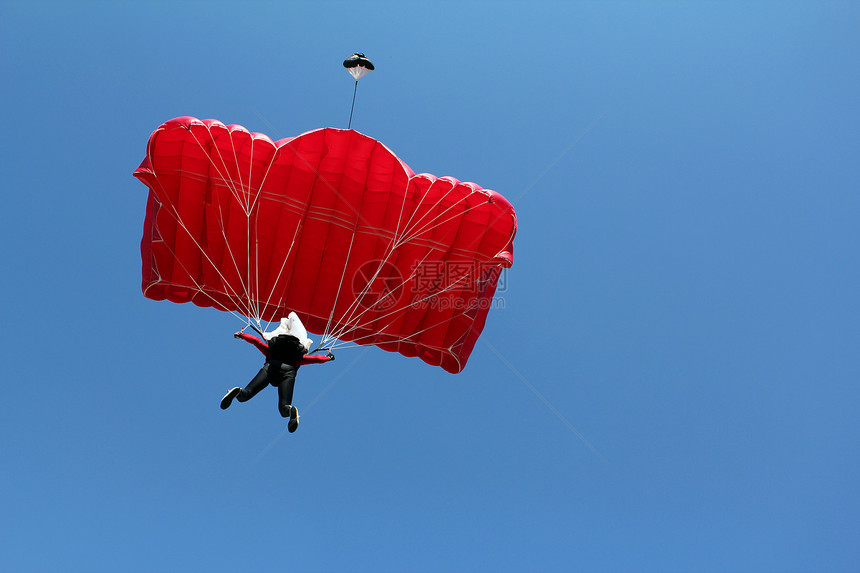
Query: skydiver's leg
x=260, y=381
x=285, y=389
x=285, y=397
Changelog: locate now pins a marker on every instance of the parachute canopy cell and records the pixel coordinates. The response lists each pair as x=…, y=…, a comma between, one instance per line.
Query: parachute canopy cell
x=329, y=224
x=358, y=65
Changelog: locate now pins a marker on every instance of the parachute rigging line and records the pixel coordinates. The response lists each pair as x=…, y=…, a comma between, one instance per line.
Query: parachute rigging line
x=349, y=125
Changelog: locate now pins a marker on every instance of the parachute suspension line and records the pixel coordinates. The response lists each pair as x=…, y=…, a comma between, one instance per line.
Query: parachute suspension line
x=248, y=284
x=354, y=91
x=406, y=338
x=403, y=308
x=233, y=297
x=434, y=224
x=281, y=270
x=434, y=221
x=339, y=285
x=228, y=182
x=353, y=307
x=328, y=334
x=410, y=337
x=240, y=192
x=253, y=205
x=245, y=192
x=254, y=212
x=222, y=174
x=241, y=197
x=258, y=331
x=350, y=311
x=414, y=212
x=232, y=294
x=252, y=302
x=247, y=199
x=428, y=210
x=352, y=317
x=351, y=321
x=388, y=252
x=347, y=328
x=303, y=216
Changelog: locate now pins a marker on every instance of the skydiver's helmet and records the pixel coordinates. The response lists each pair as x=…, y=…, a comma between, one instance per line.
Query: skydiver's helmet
x=291, y=326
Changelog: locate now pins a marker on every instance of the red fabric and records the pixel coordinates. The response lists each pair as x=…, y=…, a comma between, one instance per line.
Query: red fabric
x=242, y=223
x=313, y=359
x=264, y=348
x=259, y=344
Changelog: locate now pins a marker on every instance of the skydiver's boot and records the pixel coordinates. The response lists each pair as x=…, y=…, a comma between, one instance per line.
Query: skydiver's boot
x=293, y=424
x=228, y=398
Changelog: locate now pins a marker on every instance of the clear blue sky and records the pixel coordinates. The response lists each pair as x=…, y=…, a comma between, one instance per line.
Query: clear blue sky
x=686, y=274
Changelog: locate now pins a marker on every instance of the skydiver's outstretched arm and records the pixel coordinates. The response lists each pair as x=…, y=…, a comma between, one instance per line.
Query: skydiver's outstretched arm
x=261, y=346
x=315, y=359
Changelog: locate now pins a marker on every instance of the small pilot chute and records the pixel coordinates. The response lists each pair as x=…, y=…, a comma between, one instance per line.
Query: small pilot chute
x=358, y=65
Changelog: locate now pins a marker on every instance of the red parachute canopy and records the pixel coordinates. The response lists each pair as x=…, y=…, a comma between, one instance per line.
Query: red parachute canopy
x=329, y=224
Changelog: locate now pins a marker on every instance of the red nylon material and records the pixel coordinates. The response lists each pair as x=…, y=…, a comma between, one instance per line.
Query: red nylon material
x=329, y=224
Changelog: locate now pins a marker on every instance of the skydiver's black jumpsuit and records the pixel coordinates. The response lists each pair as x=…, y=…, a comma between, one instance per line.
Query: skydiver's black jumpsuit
x=283, y=356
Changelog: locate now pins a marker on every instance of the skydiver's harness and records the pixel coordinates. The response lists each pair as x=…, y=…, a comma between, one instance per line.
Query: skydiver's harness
x=282, y=348
x=319, y=348
x=285, y=348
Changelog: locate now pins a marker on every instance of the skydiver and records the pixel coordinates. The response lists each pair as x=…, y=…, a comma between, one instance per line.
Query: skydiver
x=285, y=350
